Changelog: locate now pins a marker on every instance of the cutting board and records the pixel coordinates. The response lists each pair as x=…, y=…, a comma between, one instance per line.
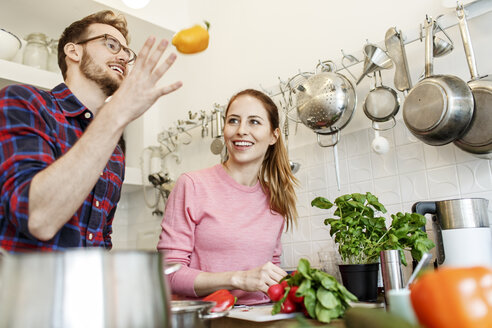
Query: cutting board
x=258, y=313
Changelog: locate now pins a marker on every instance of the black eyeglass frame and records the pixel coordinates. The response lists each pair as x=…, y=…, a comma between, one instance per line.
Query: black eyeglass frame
x=132, y=56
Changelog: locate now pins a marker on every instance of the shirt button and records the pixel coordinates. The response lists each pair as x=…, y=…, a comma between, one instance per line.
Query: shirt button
x=97, y=203
x=91, y=236
x=87, y=115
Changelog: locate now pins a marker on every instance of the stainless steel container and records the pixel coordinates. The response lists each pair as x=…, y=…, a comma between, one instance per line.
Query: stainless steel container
x=84, y=288
x=391, y=270
x=193, y=314
x=462, y=230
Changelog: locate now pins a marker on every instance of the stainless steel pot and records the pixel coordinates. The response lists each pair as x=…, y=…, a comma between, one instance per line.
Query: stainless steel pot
x=478, y=139
x=439, y=109
x=84, y=288
x=193, y=314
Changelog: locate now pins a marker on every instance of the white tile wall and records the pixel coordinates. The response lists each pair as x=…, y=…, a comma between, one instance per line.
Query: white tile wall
x=411, y=171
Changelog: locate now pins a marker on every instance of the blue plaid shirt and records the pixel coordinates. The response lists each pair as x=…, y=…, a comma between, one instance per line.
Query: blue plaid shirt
x=36, y=128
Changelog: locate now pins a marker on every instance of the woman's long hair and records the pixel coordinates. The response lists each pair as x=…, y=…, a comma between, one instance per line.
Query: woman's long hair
x=276, y=177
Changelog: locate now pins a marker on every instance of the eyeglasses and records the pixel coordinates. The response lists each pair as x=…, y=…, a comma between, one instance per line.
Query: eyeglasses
x=114, y=46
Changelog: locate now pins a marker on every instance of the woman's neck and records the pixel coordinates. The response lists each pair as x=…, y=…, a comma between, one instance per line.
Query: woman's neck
x=246, y=175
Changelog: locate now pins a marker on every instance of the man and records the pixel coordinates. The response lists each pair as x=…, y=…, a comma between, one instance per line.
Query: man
x=61, y=168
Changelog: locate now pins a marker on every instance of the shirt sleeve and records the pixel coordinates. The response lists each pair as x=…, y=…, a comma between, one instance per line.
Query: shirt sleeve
x=278, y=248
x=25, y=150
x=177, y=238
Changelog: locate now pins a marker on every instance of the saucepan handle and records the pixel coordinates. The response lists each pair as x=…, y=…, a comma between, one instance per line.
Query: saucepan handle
x=213, y=315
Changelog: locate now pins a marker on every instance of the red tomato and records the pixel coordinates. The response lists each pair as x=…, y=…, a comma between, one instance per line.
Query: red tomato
x=276, y=292
x=288, y=306
x=284, y=284
x=293, y=297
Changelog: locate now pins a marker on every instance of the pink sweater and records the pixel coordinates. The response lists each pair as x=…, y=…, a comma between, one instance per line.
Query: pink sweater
x=214, y=224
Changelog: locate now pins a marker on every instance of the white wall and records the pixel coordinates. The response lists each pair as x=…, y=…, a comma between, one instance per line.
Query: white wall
x=255, y=42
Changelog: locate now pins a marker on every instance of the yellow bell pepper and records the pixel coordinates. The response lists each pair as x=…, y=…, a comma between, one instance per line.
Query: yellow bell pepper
x=192, y=40
x=454, y=297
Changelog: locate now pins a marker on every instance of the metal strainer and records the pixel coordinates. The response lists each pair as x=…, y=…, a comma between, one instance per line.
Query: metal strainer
x=323, y=99
x=381, y=103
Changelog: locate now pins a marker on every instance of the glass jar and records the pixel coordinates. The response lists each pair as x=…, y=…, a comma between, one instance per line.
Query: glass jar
x=53, y=56
x=36, y=51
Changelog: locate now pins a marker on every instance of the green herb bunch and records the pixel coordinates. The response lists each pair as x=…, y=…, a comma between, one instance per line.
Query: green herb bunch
x=361, y=234
x=325, y=298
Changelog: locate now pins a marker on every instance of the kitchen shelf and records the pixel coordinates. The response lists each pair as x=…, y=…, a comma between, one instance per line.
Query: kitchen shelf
x=12, y=72
x=133, y=179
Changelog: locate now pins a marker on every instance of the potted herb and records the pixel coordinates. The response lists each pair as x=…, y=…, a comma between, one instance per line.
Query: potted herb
x=361, y=234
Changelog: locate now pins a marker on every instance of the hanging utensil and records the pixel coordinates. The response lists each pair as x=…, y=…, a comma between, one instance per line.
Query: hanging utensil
x=326, y=103
x=217, y=143
x=294, y=166
x=439, y=109
x=478, y=139
x=375, y=59
x=442, y=47
x=396, y=50
x=381, y=103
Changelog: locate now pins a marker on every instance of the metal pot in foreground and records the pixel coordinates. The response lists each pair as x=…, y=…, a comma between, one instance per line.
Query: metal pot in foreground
x=84, y=288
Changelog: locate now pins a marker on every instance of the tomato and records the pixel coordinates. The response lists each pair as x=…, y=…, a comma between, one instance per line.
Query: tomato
x=293, y=297
x=285, y=284
x=276, y=292
x=288, y=306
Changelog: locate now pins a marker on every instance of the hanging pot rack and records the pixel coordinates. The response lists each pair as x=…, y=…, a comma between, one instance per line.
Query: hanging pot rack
x=445, y=21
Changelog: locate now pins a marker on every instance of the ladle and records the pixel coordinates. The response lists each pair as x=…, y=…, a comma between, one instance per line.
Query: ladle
x=423, y=262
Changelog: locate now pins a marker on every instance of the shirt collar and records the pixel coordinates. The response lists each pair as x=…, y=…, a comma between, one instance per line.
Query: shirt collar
x=69, y=104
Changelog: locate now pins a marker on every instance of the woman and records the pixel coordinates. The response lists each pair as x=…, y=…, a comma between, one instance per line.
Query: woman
x=224, y=223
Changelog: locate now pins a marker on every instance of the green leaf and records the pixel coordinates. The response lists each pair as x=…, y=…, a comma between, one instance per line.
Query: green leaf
x=304, y=268
x=304, y=287
x=327, y=298
x=310, y=302
x=321, y=202
x=327, y=281
x=348, y=296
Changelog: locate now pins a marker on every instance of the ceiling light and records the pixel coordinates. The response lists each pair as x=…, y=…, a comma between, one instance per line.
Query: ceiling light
x=136, y=4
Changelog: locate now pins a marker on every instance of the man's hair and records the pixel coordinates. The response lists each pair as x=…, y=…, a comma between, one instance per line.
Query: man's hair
x=78, y=30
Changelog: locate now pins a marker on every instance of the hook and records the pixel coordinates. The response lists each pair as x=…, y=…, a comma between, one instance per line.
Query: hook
x=351, y=58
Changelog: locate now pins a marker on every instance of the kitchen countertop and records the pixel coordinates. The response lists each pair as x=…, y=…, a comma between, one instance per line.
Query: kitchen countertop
x=285, y=323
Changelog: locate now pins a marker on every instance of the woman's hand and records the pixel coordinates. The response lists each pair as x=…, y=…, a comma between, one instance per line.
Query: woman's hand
x=258, y=279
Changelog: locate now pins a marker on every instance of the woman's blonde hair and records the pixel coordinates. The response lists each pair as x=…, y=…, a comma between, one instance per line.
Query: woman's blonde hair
x=276, y=177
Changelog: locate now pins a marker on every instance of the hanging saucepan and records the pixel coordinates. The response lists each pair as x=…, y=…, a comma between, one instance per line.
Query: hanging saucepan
x=326, y=103
x=439, y=109
x=478, y=139
x=381, y=103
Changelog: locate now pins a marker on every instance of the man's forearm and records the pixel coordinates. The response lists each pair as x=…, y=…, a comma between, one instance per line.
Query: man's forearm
x=58, y=191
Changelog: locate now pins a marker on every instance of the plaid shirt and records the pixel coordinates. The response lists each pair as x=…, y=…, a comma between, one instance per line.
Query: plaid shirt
x=36, y=128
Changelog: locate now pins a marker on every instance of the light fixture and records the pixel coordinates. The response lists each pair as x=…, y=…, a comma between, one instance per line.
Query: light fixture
x=136, y=4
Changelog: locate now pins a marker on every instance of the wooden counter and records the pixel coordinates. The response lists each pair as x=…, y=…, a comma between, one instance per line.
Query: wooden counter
x=285, y=323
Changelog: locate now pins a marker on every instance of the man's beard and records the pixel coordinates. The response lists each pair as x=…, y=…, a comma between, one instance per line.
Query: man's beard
x=97, y=74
